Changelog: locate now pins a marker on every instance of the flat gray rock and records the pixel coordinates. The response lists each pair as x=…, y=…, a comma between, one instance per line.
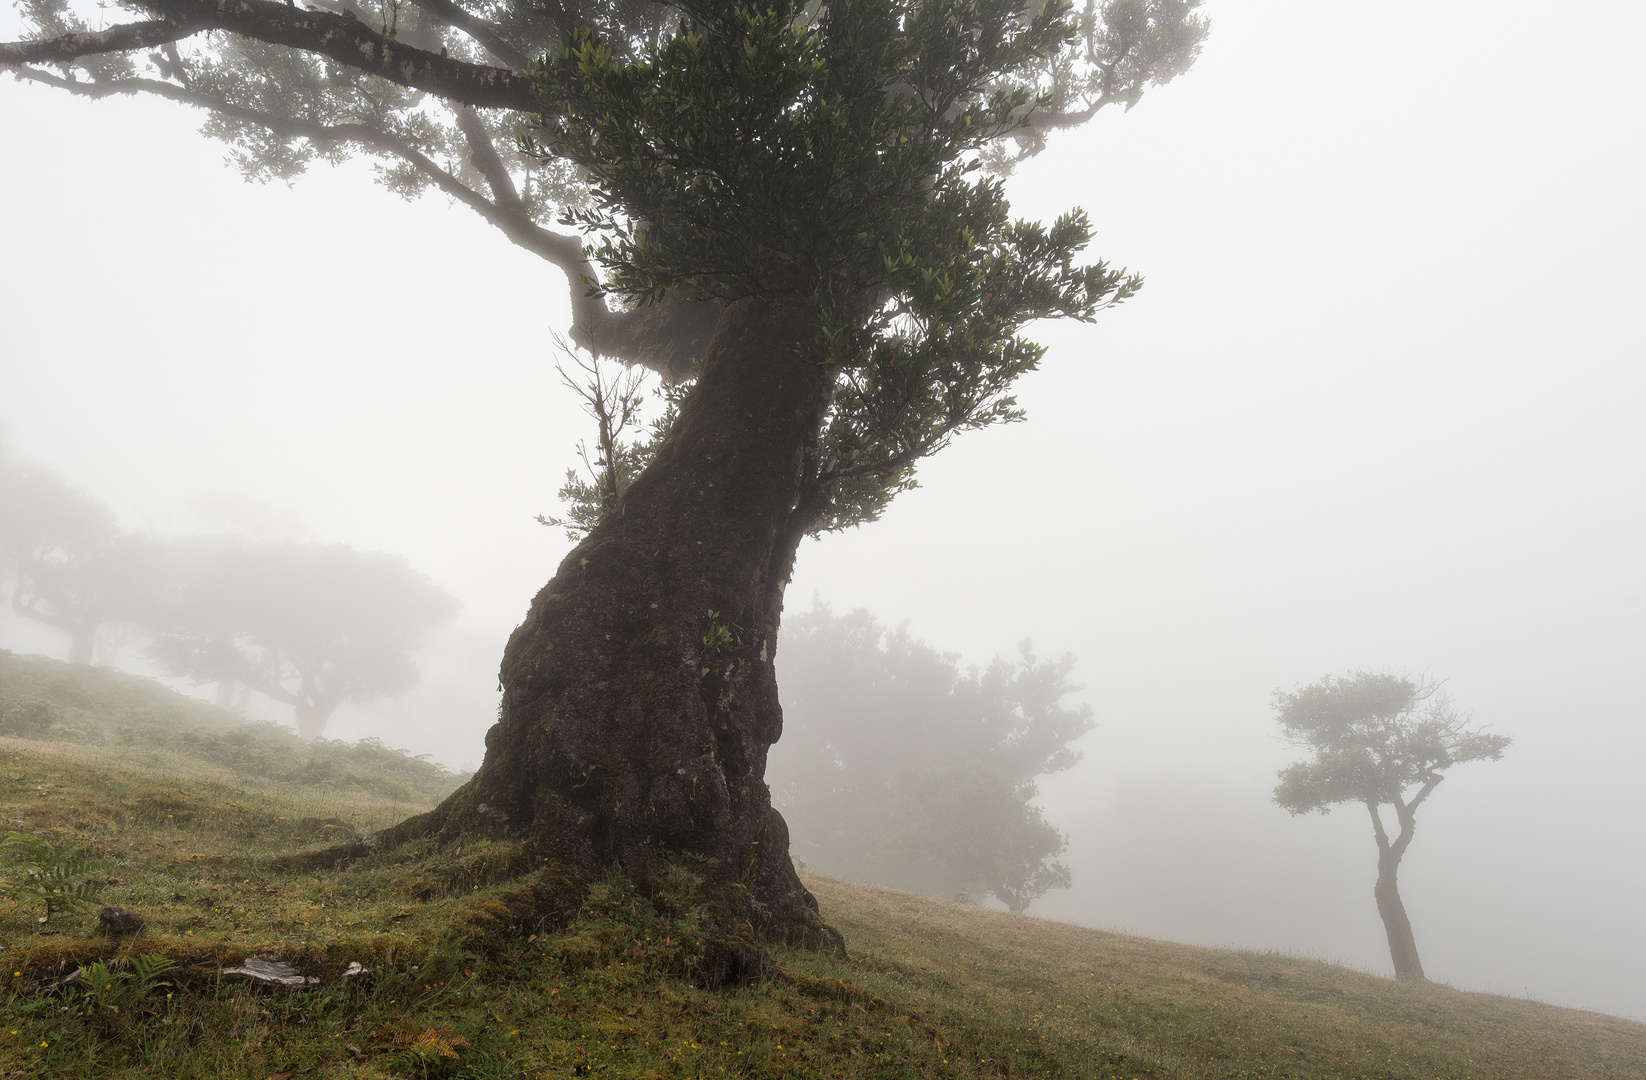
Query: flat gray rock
x=270, y=973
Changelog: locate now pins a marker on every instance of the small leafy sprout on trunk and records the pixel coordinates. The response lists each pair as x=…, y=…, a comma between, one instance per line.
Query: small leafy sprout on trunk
x=613, y=396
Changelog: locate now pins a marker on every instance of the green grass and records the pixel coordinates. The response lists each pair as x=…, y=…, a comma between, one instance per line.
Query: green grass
x=115, y=716
x=459, y=989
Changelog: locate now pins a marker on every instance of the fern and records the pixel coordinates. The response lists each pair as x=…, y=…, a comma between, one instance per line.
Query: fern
x=439, y=1040
x=59, y=878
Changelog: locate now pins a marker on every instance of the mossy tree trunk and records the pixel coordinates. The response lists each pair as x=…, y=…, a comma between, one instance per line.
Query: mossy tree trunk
x=639, y=697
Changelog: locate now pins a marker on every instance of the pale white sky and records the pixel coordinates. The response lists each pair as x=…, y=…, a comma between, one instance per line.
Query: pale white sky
x=1380, y=404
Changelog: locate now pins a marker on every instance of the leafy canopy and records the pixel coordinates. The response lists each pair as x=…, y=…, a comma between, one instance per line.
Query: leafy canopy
x=845, y=157
x=1374, y=735
x=830, y=157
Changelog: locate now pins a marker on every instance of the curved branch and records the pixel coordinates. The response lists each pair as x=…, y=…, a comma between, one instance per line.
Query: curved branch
x=342, y=38
x=487, y=34
x=664, y=338
x=483, y=153
x=1377, y=827
x=565, y=252
x=69, y=47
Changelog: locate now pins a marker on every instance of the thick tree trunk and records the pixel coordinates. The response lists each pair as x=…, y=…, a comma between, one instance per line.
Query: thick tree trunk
x=82, y=641
x=639, y=697
x=311, y=719
x=1402, y=946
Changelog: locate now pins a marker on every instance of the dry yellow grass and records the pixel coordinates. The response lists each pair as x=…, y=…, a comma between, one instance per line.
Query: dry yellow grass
x=1185, y=1011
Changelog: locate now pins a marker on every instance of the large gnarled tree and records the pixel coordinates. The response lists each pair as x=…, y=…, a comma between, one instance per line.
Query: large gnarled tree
x=1378, y=739
x=797, y=206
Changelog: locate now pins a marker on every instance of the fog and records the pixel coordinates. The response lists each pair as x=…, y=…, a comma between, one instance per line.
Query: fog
x=1380, y=404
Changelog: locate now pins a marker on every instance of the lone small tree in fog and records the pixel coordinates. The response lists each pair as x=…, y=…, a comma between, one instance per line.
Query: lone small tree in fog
x=1377, y=736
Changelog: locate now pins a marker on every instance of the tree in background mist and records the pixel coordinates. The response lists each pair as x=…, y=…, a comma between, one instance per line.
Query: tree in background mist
x=71, y=567
x=1378, y=739
x=308, y=625
x=899, y=768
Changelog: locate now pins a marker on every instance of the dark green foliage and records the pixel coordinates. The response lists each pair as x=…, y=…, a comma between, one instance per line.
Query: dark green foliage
x=898, y=767
x=1374, y=735
x=862, y=198
x=111, y=990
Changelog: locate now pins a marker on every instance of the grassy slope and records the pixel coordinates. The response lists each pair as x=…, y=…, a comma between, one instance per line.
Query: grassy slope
x=111, y=715
x=933, y=989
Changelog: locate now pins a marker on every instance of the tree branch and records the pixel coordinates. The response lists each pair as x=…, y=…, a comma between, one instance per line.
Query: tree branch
x=28, y=611
x=487, y=34
x=1407, y=812
x=1430, y=782
x=343, y=38
x=69, y=47
x=483, y=152
x=565, y=252
x=662, y=338
x=1377, y=826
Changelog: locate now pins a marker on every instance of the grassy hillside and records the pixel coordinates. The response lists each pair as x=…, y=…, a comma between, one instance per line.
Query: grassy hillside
x=461, y=985
x=116, y=716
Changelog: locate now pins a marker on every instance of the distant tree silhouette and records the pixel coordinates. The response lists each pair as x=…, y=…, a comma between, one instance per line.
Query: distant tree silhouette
x=1376, y=737
x=898, y=767
x=72, y=568
x=308, y=625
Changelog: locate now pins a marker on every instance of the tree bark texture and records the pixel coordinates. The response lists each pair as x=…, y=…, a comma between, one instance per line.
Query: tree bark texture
x=1398, y=928
x=1402, y=946
x=639, y=696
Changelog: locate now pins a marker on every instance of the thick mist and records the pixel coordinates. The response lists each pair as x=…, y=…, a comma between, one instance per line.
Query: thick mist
x=1379, y=405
